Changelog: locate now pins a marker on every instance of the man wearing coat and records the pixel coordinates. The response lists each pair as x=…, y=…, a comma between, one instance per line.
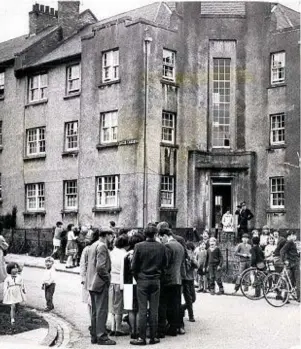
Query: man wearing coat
x=98, y=282
x=244, y=215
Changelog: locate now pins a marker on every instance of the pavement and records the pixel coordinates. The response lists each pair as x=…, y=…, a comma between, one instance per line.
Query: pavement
x=221, y=322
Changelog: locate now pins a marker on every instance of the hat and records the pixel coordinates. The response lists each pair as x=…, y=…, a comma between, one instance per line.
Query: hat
x=162, y=226
x=245, y=235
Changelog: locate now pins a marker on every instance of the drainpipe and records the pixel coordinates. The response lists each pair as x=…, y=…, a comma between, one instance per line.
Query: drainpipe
x=147, y=42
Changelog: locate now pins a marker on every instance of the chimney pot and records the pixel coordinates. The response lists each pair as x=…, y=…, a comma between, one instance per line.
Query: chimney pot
x=42, y=8
x=47, y=9
x=52, y=11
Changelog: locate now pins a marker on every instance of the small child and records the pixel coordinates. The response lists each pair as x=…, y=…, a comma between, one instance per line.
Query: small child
x=14, y=289
x=214, y=264
x=49, y=280
x=201, y=261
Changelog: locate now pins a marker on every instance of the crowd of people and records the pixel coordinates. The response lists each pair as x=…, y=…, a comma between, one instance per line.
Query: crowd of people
x=149, y=277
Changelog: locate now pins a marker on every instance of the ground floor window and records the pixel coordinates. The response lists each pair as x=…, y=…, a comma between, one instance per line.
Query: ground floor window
x=107, y=191
x=70, y=195
x=35, y=196
x=277, y=192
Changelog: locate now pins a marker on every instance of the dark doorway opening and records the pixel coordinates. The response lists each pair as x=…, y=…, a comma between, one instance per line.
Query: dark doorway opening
x=221, y=200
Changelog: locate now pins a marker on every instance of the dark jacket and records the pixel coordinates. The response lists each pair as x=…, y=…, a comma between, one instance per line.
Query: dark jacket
x=175, y=263
x=257, y=255
x=214, y=257
x=149, y=260
x=243, y=217
x=280, y=244
x=290, y=253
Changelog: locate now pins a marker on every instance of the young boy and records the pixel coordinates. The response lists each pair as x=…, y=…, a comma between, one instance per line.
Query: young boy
x=290, y=256
x=49, y=280
x=201, y=257
x=214, y=264
x=243, y=252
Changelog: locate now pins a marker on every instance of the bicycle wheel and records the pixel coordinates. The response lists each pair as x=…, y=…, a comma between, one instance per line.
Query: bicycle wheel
x=276, y=290
x=251, y=284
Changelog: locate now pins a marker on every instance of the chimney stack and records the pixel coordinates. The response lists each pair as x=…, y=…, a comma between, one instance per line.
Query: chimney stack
x=68, y=17
x=40, y=18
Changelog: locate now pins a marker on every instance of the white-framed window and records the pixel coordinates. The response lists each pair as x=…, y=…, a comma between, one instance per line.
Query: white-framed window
x=71, y=135
x=1, y=135
x=0, y=186
x=109, y=127
x=35, y=141
x=221, y=103
x=73, y=79
x=70, y=195
x=35, y=196
x=107, y=191
x=38, y=87
x=110, y=65
x=2, y=83
x=167, y=191
x=168, y=127
x=277, y=129
x=169, y=65
x=277, y=67
x=277, y=192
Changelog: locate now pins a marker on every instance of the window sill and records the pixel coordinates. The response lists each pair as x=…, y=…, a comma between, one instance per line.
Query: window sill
x=71, y=212
x=107, y=145
x=169, y=82
x=109, y=83
x=42, y=101
x=170, y=145
x=166, y=208
x=34, y=213
x=271, y=148
x=34, y=157
x=281, y=84
x=276, y=210
x=71, y=153
x=106, y=209
x=72, y=95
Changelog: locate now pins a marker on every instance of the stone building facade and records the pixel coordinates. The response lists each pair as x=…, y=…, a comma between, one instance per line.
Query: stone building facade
x=173, y=111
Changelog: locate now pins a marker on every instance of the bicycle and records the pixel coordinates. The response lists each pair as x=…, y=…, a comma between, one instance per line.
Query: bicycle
x=278, y=288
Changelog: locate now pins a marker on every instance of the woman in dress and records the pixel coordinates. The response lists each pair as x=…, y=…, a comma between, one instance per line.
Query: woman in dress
x=14, y=289
x=71, y=248
x=130, y=302
x=83, y=270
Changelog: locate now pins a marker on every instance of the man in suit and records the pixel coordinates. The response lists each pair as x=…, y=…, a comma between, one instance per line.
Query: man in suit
x=98, y=282
x=244, y=215
x=170, y=297
x=149, y=261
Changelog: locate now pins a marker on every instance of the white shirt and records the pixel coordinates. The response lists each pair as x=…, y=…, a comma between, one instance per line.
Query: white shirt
x=117, y=261
x=49, y=276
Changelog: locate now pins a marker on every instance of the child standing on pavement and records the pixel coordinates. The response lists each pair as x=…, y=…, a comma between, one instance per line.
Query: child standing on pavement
x=49, y=280
x=14, y=289
x=214, y=264
x=201, y=257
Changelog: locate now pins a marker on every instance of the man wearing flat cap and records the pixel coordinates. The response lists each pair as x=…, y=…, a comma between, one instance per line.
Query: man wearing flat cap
x=98, y=282
x=244, y=215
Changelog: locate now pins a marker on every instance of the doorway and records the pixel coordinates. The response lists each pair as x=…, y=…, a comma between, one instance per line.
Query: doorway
x=221, y=199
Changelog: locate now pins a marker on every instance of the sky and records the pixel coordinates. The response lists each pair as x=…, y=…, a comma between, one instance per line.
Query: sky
x=14, y=13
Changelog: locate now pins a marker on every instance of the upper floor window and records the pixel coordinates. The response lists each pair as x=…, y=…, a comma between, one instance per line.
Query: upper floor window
x=107, y=191
x=221, y=103
x=73, y=79
x=110, y=65
x=71, y=135
x=277, y=67
x=277, y=192
x=70, y=195
x=35, y=196
x=35, y=142
x=38, y=87
x=168, y=127
x=109, y=128
x=277, y=129
x=169, y=64
x=167, y=191
x=1, y=140
x=2, y=81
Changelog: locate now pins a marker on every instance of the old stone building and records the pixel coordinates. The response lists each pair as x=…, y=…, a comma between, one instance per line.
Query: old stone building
x=172, y=111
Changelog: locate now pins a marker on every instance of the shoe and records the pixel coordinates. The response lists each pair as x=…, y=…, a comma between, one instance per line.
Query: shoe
x=204, y=291
x=199, y=291
x=212, y=292
x=106, y=342
x=68, y=267
x=47, y=309
x=181, y=331
x=138, y=341
x=121, y=333
x=171, y=333
x=154, y=341
x=161, y=335
x=220, y=292
x=192, y=319
x=93, y=340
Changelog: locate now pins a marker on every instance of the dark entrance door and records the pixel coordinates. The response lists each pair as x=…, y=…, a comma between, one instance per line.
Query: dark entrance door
x=221, y=200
